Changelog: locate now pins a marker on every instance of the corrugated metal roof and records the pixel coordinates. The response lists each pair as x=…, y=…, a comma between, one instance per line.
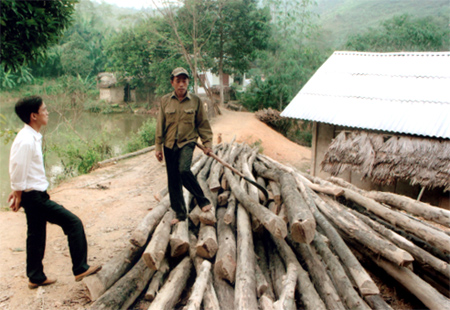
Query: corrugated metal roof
x=396, y=92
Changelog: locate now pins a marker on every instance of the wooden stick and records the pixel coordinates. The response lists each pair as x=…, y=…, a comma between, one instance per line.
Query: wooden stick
x=157, y=281
x=179, y=239
x=156, y=249
x=201, y=282
x=225, y=265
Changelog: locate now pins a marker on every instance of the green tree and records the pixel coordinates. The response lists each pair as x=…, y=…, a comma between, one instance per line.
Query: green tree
x=240, y=31
x=29, y=28
x=403, y=33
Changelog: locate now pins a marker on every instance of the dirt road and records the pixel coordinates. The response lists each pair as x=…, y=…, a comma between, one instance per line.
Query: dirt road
x=111, y=201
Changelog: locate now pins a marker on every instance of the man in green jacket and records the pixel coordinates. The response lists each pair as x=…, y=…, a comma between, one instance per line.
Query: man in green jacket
x=181, y=120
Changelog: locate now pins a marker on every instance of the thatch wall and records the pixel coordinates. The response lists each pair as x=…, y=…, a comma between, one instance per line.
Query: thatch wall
x=385, y=159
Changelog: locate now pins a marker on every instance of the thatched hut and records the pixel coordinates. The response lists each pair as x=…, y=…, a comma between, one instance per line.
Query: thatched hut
x=113, y=92
x=381, y=121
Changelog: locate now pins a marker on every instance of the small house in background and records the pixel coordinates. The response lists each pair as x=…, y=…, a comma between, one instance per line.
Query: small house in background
x=381, y=121
x=213, y=81
x=113, y=92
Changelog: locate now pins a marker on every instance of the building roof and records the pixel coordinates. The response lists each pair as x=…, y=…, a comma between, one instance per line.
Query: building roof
x=405, y=93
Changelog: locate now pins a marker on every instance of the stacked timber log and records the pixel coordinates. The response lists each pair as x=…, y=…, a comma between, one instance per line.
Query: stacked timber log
x=303, y=247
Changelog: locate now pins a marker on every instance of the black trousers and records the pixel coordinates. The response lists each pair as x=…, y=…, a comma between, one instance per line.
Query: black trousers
x=39, y=210
x=179, y=174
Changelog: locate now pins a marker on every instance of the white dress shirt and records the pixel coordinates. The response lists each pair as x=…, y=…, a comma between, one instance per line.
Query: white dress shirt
x=26, y=164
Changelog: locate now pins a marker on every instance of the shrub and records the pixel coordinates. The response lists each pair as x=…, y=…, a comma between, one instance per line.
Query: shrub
x=144, y=137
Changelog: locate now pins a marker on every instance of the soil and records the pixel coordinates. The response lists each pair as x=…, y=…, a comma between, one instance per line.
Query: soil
x=111, y=201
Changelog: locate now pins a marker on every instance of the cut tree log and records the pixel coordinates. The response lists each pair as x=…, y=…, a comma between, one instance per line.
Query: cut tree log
x=126, y=290
x=194, y=215
x=245, y=286
x=276, y=191
x=208, y=217
x=318, y=274
x=171, y=291
x=343, y=285
x=277, y=270
x=308, y=294
x=418, y=208
x=222, y=199
x=262, y=262
x=287, y=297
x=125, y=156
x=364, y=282
x=215, y=173
x=266, y=303
x=157, y=281
x=225, y=293
x=428, y=295
x=200, y=284
x=207, y=241
x=225, y=264
x=141, y=233
x=179, y=239
x=156, y=249
x=435, y=237
x=115, y=268
x=229, y=218
x=357, y=229
x=261, y=282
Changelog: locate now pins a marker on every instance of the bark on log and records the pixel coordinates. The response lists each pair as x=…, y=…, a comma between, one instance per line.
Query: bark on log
x=141, y=233
x=422, y=256
x=171, y=291
x=225, y=264
x=376, y=302
x=261, y=282
x=362, y=279
x=266, y=303
x=343, y=285
x=157, y=281
x=428, y=295
x=262, y=198
x=262, y=262
x=252, y=191
x=277, y=270
x=115, y=268
x=156, y=249
x=245, y=287
x=160, y=196
x=209, y=217
x=207, y=241
x=215, y=173
x=435, y=237
x=361, y=232
x=200, y=284
x=276, y=192
x=125, y=291
x=401, y=202
x=270, y=221
x=308, y=294
x=225, y=293
x=229, y=218
x=222, y=199
x=179, y=239
x=318, y=274
x=195, y=215
x=287, y=298
x=125, y=156
x=210, y=299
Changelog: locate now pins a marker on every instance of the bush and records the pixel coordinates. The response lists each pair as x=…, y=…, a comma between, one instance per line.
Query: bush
x=144, y=137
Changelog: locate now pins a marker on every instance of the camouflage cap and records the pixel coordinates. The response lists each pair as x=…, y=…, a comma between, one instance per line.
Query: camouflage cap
x=178, y=71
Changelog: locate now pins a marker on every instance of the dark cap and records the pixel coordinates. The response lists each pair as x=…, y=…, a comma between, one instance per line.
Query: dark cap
x=179, y=71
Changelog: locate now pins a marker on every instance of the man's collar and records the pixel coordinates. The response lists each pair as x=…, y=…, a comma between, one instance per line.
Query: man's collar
x=188, y=96
x=36, y=135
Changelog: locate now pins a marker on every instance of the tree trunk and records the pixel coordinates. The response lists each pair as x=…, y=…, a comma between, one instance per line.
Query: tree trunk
x=179, y=239
x=126, y=290
x=171, y=291
x=141, y=233
x=201, y=282
x=156, y=249
x=225, y=264
x=362, y=279
x=157, y=281
x=207, y=241
x=245, y=287
x=115, y=268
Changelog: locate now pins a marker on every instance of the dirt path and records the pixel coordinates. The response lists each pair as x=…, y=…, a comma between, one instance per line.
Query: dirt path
x=111, y=201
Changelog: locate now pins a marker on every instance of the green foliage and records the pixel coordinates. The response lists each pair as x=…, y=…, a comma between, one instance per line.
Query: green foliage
x=13, y=79
x=402, y=33
x=30, y=27
x=144, y=137
x=6, y=133
x=79, y=157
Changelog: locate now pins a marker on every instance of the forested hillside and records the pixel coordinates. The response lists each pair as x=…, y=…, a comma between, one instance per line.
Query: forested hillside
x=342, y=18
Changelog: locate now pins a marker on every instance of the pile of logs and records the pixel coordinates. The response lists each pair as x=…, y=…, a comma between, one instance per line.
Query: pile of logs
x=300, y=248
x=273, y=118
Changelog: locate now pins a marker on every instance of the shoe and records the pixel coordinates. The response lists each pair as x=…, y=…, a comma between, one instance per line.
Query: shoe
x=92, y=270
x=48, y=281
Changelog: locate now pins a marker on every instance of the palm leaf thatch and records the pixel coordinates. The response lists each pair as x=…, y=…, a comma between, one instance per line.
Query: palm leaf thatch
x=423, y=161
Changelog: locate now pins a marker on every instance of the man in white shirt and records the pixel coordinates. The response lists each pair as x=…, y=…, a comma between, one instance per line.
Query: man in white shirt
x=29, y=185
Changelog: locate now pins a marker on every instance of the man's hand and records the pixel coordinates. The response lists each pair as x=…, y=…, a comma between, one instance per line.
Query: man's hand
x=14, y=200
x=159, y=156
x=207, y=151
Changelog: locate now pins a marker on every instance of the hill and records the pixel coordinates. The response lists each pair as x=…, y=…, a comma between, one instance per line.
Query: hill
x=341, y=18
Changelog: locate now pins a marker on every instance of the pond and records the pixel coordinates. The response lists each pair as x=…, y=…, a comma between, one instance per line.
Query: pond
x=117, y=127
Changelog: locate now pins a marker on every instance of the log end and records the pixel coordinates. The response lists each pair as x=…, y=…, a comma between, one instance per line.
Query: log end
x=303, y=231
x=94, y=287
